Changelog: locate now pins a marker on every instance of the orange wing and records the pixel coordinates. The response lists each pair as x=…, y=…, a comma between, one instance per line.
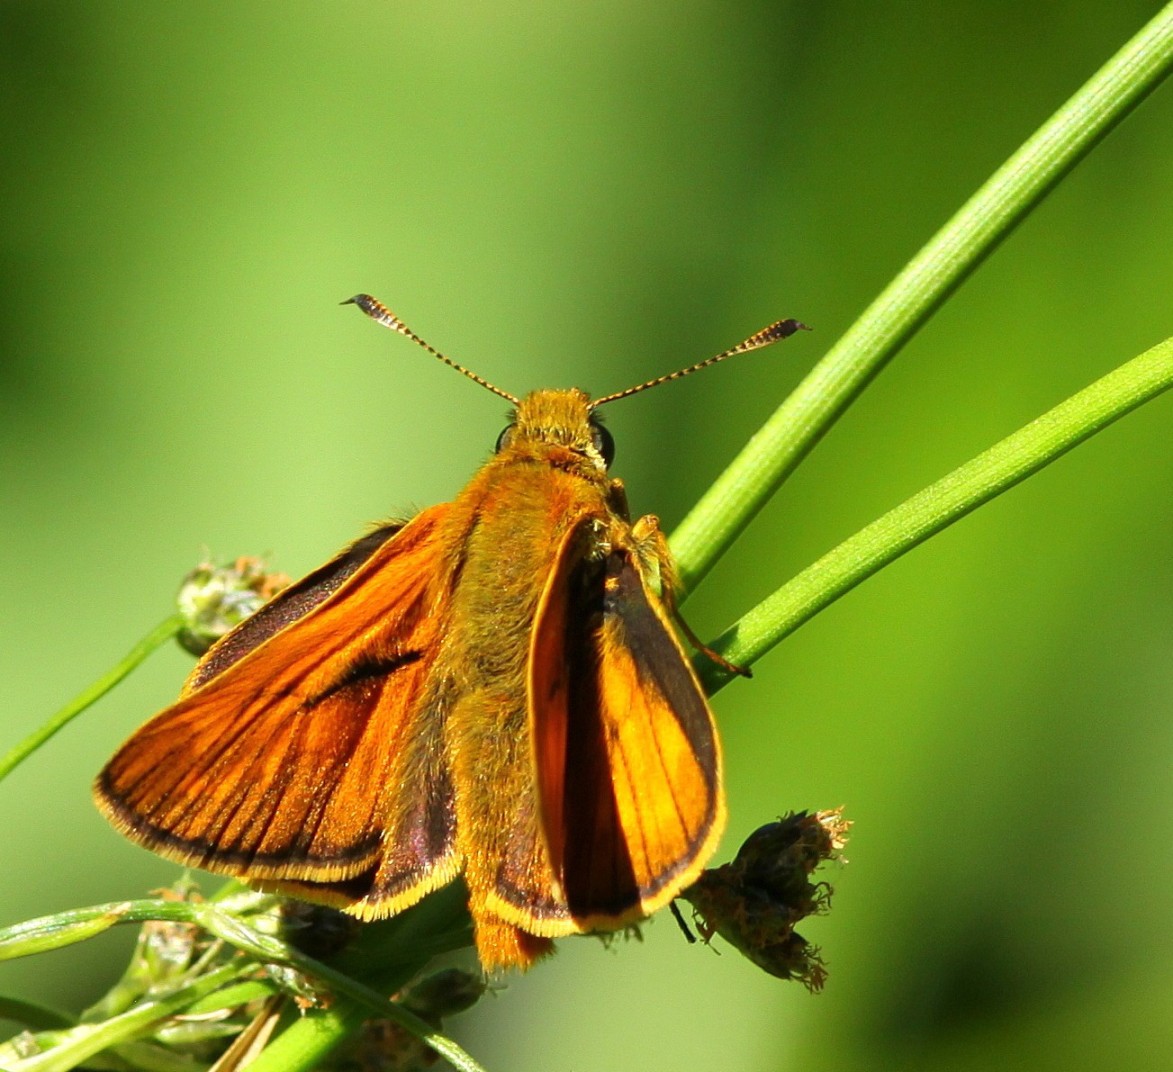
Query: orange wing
x=625, y=750
x=305, y=751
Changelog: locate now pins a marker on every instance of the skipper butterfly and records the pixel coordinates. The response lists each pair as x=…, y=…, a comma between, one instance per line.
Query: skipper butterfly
x=491, y=689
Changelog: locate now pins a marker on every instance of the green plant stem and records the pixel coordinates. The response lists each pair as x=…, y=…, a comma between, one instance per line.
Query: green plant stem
x=385, y=966
x=81, y=1042
x=79, y=924
x=925, y=282
x=299, y=1046
x=354, y=1001
x=936, y=507
x=158, y=636
x=306, y=1043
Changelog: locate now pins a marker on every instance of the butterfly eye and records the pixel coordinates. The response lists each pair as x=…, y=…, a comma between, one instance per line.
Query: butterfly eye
x=604, y=443
x=504, y=438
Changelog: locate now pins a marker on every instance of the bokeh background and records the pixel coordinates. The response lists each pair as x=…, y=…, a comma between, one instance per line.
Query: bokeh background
x=593, y=194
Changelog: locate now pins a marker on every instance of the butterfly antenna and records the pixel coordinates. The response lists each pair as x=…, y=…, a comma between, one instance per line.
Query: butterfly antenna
x=378, y=312
x=781, y=329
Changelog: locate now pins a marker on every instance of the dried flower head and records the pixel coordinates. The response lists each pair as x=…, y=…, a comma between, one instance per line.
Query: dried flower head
x=755, y=901
x=215, y=599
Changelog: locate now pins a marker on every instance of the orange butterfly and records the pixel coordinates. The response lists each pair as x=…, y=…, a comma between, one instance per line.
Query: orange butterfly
x=492, y=689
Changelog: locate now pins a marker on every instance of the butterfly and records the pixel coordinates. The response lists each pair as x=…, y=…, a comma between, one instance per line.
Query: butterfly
x=492, y=689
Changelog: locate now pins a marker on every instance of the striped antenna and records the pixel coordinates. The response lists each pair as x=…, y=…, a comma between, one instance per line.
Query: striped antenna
x=378, y=312
x=781, y=329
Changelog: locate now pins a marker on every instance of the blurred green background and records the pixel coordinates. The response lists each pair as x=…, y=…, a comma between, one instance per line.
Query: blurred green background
x=592, y=195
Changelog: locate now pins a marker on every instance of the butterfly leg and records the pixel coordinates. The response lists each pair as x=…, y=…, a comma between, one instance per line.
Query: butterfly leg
x=652, y=548
x=617, y=499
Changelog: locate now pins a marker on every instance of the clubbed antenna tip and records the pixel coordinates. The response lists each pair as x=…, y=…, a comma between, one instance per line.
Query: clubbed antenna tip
x=780, y=329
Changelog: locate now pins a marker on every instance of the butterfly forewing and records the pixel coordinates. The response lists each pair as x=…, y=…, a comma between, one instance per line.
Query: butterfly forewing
x=661, y=745
x=287, y=762
x=625, y=750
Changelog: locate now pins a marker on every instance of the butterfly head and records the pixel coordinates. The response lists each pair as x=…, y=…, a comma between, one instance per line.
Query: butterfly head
x=563, y=420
